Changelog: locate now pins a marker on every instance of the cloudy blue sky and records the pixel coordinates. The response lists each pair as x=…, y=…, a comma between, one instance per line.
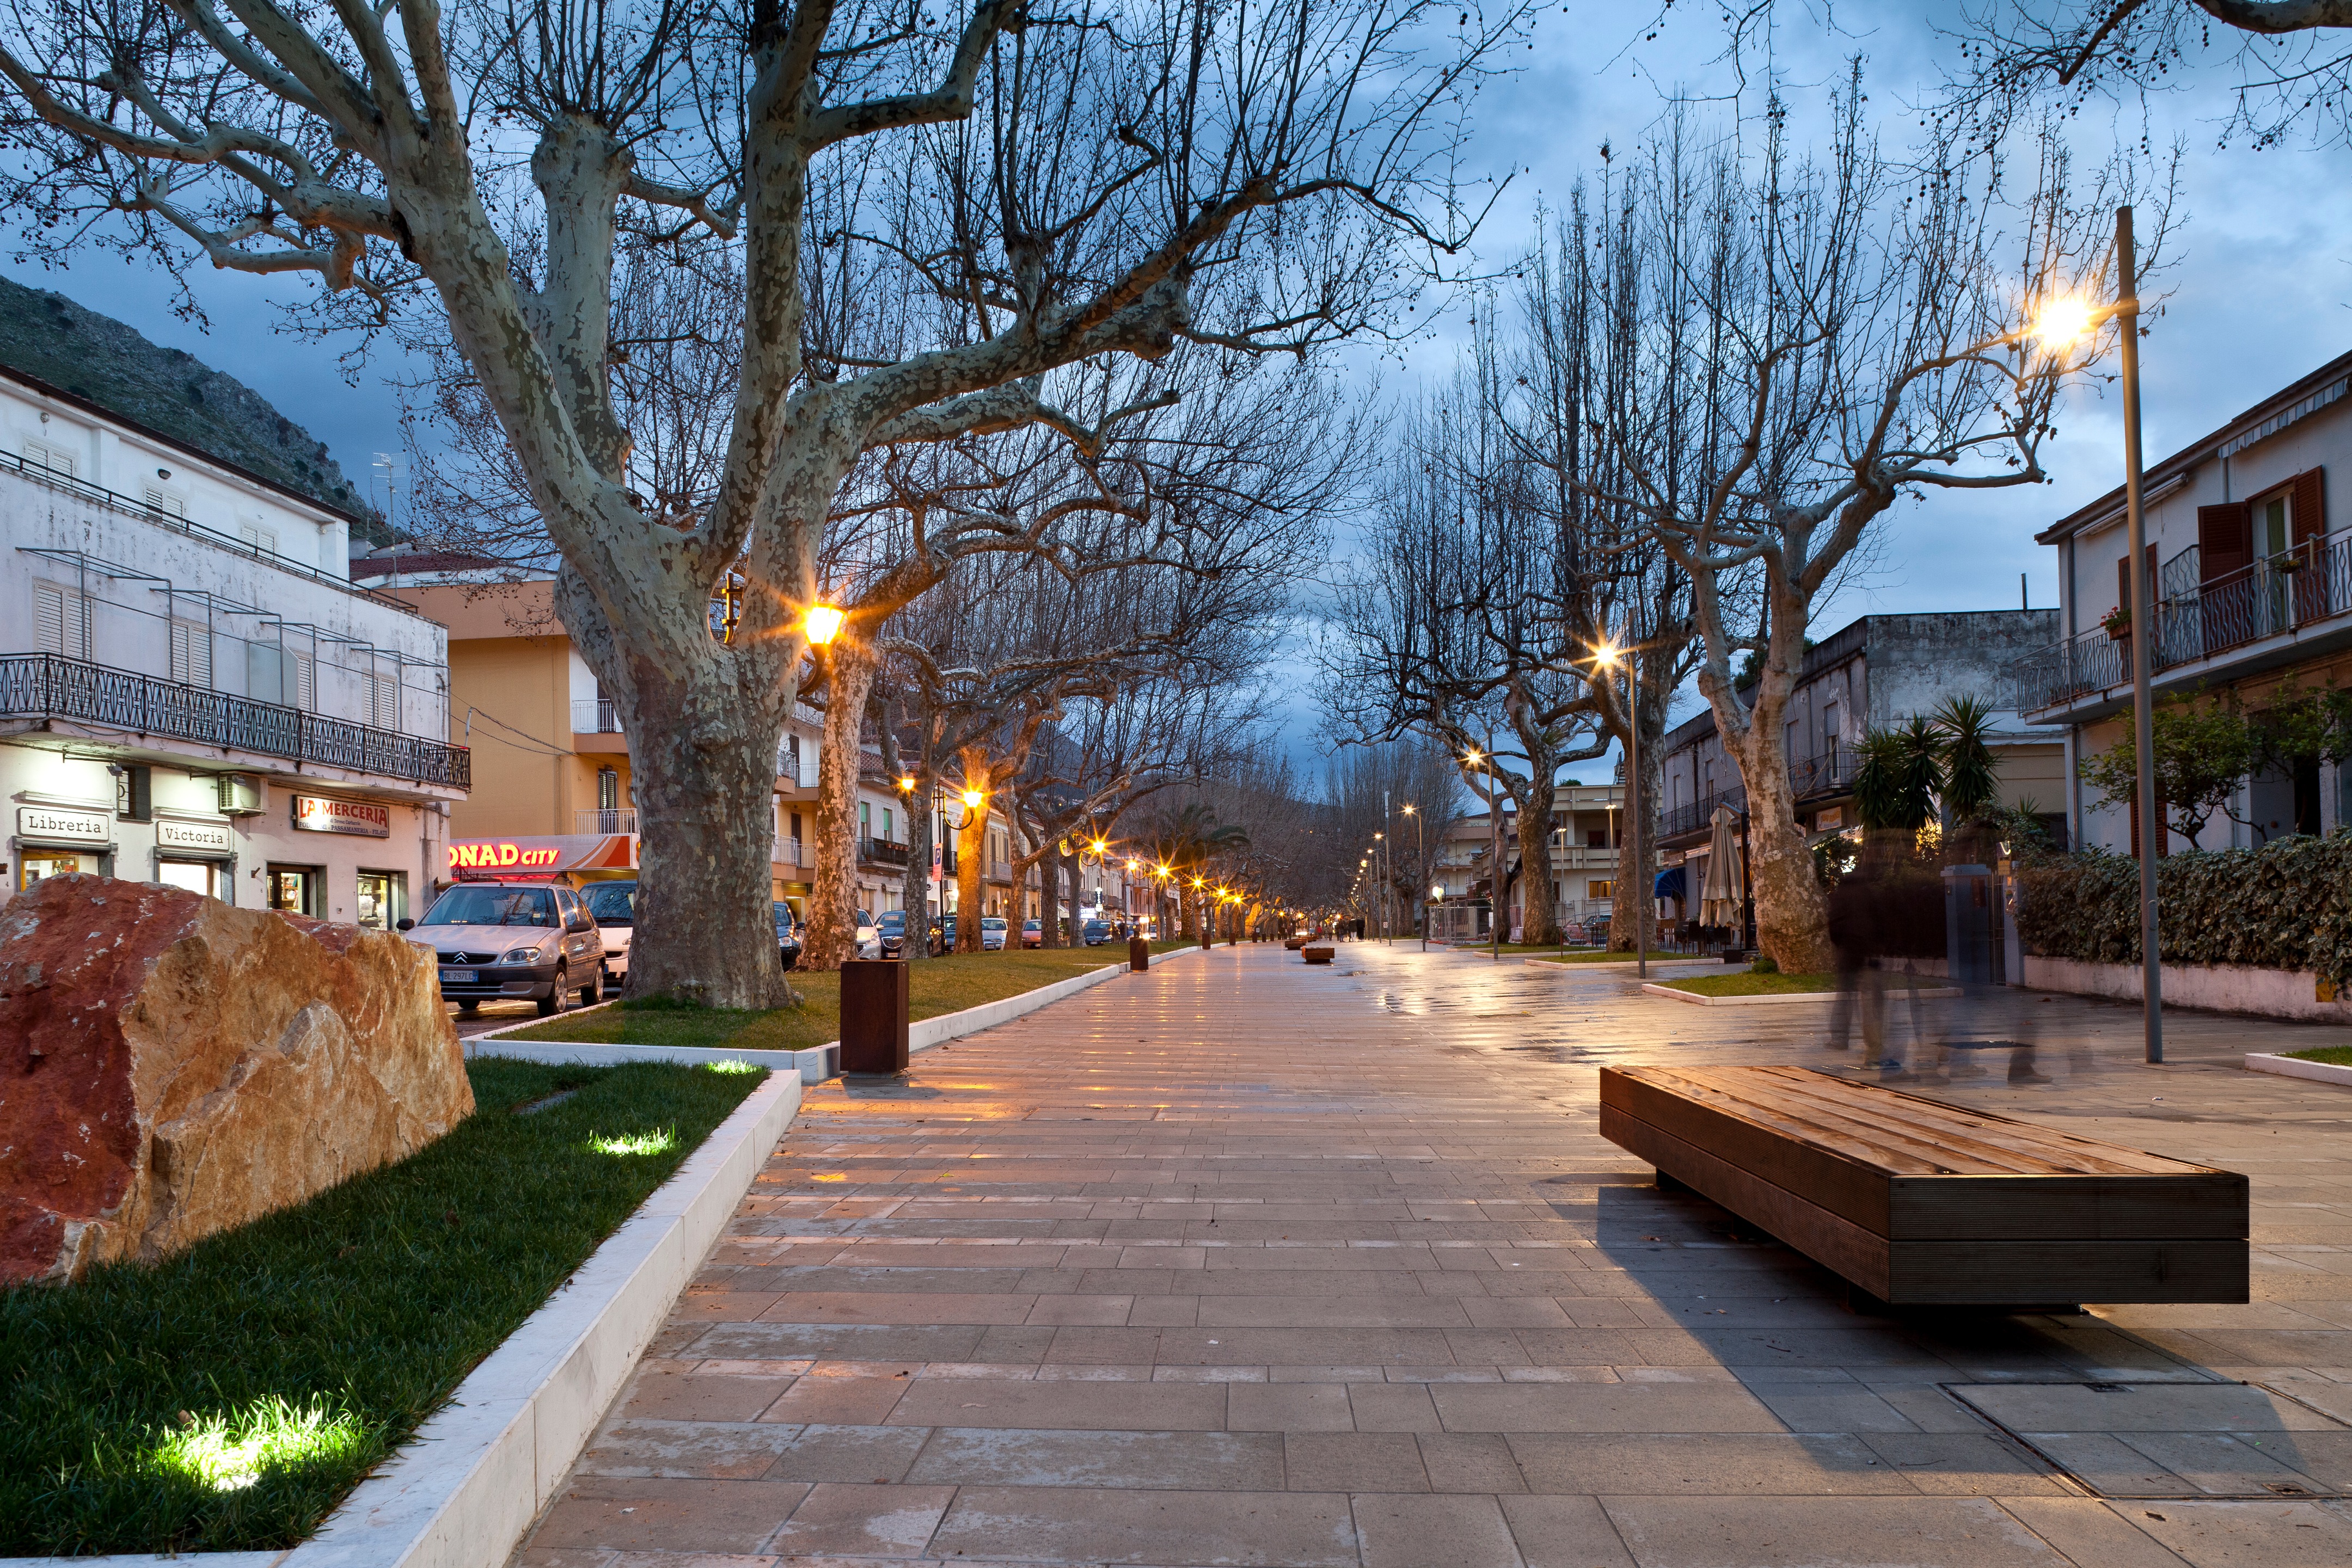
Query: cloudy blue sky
x=2259, y=285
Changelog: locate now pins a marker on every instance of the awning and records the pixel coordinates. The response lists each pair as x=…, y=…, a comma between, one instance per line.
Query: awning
x=541, y=857
x=1673, y=884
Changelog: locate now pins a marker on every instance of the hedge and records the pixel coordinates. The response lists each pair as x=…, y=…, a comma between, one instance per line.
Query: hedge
x=2287, y=905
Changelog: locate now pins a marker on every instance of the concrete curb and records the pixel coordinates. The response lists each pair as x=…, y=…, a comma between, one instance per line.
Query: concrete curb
x=2292, y=1067
x=1923, y=993
x=463, y=1490
x=816, y=1063
x=1655, y=960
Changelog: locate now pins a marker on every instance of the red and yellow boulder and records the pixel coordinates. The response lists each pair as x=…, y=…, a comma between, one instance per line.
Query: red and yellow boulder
x=171, y=1067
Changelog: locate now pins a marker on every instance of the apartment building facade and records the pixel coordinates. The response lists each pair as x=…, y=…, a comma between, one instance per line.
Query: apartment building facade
x=192, y=691
x=1873, y=674
x=1588, y=824
x=2253, y=595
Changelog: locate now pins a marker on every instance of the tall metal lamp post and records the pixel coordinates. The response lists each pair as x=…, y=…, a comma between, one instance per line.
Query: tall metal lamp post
x=2062, y=322
x=1420, y=863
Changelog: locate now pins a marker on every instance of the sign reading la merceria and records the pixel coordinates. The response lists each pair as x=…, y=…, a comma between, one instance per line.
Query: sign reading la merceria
x=316, y=814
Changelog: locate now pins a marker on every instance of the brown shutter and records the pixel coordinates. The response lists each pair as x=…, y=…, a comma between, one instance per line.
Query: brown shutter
x=2163, y=815
x=2310, y=504
x=2225, y=539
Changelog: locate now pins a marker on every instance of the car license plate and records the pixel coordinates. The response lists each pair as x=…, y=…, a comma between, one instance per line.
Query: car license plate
x=459, y=976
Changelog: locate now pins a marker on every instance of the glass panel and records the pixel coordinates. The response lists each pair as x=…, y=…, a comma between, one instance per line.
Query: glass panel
x=194, y=875
x=493, y=906
x=41, y=863
x=376, y=904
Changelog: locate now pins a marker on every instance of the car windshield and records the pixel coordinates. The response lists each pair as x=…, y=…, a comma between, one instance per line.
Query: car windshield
x=493, y=907
x=991, y=922
x=614, y=903
x=784, y=913
x=892, y=920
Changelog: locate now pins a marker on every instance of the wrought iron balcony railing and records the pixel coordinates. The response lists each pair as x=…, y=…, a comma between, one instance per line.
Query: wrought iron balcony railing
x=602, y=819
x=44, y=685
x=881, y=852
x=1695, y=816
x=2297, y=588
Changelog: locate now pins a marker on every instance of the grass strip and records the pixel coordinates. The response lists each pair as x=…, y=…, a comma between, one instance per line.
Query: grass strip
x=935, y=985
x=228, y=1398
x=1749, y=984
x=2334, y=1056
x=1610, y=955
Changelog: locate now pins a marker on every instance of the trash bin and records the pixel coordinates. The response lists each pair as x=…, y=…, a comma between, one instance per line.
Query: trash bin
x=1138, y=955
x=874, y=1000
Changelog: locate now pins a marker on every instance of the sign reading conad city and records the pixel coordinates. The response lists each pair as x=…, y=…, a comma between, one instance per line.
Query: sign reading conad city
x=502, y=856
x=54, y=823
x=210, y=838
x=316, y=814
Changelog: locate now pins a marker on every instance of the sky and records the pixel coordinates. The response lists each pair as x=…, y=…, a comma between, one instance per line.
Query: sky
x=2259, y=284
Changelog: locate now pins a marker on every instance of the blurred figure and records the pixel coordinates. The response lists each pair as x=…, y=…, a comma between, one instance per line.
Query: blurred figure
x=1854, y=933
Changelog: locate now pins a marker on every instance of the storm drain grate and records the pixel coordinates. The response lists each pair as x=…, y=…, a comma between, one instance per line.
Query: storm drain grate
x=2172, y=1440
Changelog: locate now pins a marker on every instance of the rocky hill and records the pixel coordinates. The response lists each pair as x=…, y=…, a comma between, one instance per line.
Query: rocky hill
x=173, y=392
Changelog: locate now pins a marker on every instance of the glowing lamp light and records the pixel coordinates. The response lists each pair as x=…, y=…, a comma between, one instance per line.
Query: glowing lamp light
x=1437, y=889
x=907, y=784
x=824, y=623
x=972, y=797
x=2062, y=322
x=1473, y=758
x=1101, y=846
x=1606, y=656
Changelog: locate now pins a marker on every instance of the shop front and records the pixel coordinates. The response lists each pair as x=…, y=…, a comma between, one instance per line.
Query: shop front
x=55, y=837
x=575, y=859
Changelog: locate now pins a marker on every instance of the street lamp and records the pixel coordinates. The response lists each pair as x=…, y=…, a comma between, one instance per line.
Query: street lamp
x=1495, y=843
x=2062, y=322
x=822, y=624
x=1609, y=656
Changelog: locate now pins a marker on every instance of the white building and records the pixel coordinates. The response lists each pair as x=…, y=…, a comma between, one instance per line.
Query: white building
x=191, y=689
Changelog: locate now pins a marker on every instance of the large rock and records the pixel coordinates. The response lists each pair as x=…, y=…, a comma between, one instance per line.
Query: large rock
x=171, y=1067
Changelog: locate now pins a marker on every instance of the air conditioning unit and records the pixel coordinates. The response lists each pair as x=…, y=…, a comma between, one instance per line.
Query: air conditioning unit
x=240, y=794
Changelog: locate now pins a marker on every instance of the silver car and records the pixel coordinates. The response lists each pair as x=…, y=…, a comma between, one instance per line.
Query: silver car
x=503, y=941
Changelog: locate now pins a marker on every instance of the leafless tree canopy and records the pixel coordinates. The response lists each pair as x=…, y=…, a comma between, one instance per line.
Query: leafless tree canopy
x=925, y=216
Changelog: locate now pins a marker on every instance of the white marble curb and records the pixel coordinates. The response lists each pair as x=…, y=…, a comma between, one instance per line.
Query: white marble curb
x=2292, y=1067
x=462, y=1491
x=1769, y=1000
x=815, y=1064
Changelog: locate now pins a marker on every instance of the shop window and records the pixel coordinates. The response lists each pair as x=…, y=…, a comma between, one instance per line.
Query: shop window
x=41, y=863
x=294, y=889
x=195, y=876
x=383, y=896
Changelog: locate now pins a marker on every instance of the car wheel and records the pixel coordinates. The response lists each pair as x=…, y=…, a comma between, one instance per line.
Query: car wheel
x=594, y=992
x=557, y=995
x=469, y=1009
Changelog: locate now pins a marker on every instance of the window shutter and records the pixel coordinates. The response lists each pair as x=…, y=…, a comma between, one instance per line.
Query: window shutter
x=2225, y=539
x=260, y=538
x=306, y=683
x=2310, y=504
x=50, y=617
x=192, y=653
x=165, y=501
x=2164, y=836
x=383, y=701
x=56, y=459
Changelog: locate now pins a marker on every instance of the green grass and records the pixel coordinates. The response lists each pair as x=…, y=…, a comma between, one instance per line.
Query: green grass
x=229, y=1397
x=937, y=986
x=1747, y=982
x=1601, y=955
x=2334, y=1056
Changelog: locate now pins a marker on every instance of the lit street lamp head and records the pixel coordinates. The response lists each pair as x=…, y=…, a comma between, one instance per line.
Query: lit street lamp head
x=822, y=624
x=907, y=784
x=972, y=797
x=2062, y=321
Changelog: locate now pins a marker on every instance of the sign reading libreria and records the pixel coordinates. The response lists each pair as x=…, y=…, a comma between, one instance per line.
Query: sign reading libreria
x=316, y=814
x=53, y=824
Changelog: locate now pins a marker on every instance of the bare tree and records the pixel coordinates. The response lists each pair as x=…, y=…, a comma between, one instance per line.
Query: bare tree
x=1409, y=791
x=1855, y=333
x=1041, y=189
x=1451, y=627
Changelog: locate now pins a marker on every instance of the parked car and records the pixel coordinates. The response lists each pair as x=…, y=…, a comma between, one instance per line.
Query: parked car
x=1095, y=932
x=1033, y=934
x=870, y=936
x=614, y=907
x=943, y=935
x=499, y=941
x=891, y=927
x=787, y=933
x=993, y=930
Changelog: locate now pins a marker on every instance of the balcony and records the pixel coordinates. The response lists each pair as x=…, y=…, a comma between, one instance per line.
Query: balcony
x=2282, y=608
x=1682, y=820
x=1832, y=773
x=594, y=716
x=789, y=852
x=44, y=685
x=599, y=820
x=882, y=852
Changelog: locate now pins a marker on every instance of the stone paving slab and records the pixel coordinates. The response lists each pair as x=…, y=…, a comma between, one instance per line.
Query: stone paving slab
x=1241, y=1262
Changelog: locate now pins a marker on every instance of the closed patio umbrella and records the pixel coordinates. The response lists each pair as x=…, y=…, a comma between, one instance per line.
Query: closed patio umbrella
x=1721, y=892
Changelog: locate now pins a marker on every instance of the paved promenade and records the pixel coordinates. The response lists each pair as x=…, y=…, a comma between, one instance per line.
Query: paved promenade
x=1241, y=1262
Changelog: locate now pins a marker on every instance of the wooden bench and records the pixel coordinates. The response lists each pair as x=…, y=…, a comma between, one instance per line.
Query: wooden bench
x=1921, y=1204
x=1316, y=954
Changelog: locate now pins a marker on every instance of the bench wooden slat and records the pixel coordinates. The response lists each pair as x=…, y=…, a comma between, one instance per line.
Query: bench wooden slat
x=1918, y=1201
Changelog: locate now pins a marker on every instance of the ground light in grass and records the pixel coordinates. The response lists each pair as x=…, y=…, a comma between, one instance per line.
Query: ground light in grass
x=2333, y=1056
x=229, y=1451
x=661, y=1141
